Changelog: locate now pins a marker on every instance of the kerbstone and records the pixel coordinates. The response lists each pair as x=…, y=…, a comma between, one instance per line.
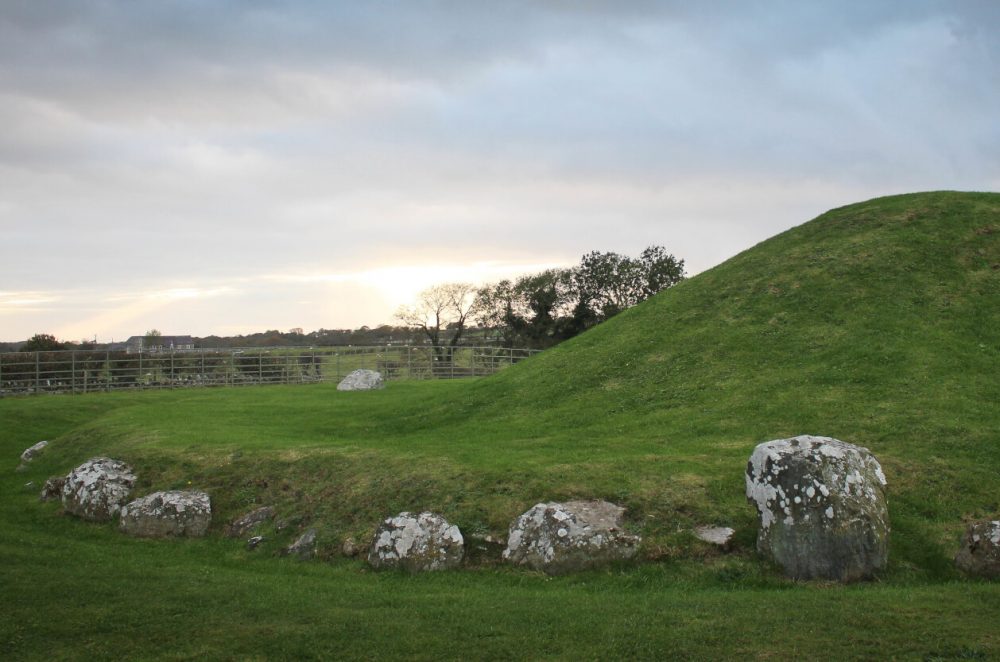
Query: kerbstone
x=33, y=451
x=171, y=513
x=980, y=553
x=559, y=538
x=97, y=489
x=417, y=543
x=822, y=507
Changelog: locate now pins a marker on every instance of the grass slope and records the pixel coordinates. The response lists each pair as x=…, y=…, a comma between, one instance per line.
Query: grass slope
x=878, y=323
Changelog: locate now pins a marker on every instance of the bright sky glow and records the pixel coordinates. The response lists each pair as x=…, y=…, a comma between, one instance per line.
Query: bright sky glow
x=231, y=167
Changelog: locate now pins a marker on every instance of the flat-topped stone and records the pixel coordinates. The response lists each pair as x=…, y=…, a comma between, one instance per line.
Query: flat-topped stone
x=558, y=538
x=362, y=380
x=171, y=513
x=722, y=536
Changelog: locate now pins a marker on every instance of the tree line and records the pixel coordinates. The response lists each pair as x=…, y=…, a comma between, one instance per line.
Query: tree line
x=541, y=309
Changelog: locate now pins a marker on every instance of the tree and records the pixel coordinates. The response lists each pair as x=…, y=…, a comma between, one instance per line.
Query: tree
x=608, y=283
x=660, y=270
x=441, y=312
x=539, y=310
x=42, y=342
x=498, y=309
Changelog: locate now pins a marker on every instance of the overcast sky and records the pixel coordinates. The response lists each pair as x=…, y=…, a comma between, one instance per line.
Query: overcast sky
x=230, y=167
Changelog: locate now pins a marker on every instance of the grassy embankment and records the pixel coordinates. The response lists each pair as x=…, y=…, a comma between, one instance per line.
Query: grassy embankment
x=877, y=323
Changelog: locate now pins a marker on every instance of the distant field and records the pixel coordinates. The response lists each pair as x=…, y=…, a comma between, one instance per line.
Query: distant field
x=877, y=323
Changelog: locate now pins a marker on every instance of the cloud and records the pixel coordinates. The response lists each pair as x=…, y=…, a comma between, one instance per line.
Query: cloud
x=157, y=145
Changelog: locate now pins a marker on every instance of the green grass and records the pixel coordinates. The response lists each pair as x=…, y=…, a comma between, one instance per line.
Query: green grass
x=877, y=323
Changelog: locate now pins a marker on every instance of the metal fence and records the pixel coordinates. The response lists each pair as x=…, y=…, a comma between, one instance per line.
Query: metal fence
x=86, y=371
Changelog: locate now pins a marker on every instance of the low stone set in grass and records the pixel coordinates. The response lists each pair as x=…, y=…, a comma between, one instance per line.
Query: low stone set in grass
x=821, y=506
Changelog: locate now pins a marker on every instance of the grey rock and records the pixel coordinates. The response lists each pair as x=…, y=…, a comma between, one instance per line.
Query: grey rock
x=97, y=489
x=252, y=543
x=52, y=489
x=416, y=543
x=558, y=538
x=350, y=548
x=248, y=522
x=822, y=507
x=172, y=513
x=721, y=536
x=32, y=452
x=304, y=548
x=361, y=380
x=980, y=553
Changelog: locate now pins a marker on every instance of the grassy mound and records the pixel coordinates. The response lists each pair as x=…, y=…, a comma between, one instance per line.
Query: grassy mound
x=877, y=323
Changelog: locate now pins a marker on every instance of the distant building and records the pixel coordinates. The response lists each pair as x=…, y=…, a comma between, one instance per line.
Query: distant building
x=137, y=344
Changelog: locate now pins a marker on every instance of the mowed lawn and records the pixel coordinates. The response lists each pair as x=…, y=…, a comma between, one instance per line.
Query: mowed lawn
x=77, y=590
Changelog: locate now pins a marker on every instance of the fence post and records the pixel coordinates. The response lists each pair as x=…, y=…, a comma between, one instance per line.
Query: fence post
x=172, y=367
x=107, y=359
x=201, y=377
x=139, y=379
x=72, y=373
x=260, y=367
x=38, y=377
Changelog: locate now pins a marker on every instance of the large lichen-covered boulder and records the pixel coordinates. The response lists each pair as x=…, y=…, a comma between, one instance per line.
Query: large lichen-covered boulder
x=171, y=513
x=822, y=507
x=416, y=543
x=361, y=380
x=558, y=538
x=97, y=489
x=980, y=553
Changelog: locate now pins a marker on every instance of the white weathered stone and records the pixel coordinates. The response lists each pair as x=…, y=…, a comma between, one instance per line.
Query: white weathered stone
x=34, y=451
x=566, y=537
x=980, y=553
x=822, y=507
x=170, y=513
x=250, y=521
x=361, y=380
x=304, y=548
x=716, y=535
x=97, y=489
x=416, y=543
